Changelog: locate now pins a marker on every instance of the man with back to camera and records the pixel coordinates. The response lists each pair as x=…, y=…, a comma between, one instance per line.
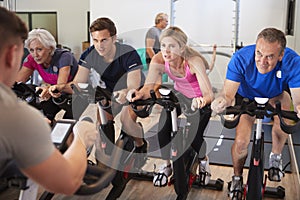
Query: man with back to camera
x=24, y=134
x=265, y=69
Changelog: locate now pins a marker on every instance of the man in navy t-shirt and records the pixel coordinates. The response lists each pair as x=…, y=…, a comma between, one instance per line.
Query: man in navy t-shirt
x=116, y=68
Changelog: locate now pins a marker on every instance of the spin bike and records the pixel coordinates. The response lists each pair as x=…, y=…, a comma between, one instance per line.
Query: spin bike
x=255, y=187
x=28, y=93
x=128, y=167
x=185, y=159
x=95, y=179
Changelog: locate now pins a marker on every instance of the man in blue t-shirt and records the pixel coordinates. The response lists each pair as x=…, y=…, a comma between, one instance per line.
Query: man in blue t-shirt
x=266, y=69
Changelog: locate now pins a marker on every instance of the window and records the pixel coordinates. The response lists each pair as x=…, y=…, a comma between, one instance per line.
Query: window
x=46, y=20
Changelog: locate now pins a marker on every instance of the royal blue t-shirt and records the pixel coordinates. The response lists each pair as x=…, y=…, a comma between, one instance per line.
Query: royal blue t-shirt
x=114, y=74
x=242, y=69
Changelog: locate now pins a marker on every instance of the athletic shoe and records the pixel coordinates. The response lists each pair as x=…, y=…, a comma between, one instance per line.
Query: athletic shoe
x=161, y=178
x=236, y=188
x=204, y=171
x=275, y=172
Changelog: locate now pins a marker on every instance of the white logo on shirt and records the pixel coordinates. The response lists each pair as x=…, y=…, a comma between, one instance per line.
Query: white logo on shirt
x=278, y=74
x=83, y=61
x=132, y=65
x=55, y=69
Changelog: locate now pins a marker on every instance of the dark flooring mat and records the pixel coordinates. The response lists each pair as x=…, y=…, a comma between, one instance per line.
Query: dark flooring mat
x=218, y=156
x=219, y=141
x=215, y=129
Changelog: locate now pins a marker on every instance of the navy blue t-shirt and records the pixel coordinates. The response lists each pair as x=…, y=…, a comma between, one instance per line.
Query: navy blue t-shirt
x=114, y=74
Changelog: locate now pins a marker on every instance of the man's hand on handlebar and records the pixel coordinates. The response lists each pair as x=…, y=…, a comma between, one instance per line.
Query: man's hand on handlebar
x=121, y=96
x=54, y=91
x=130, y=94
x=219, y=105
x=297, y=109
x=86, y=132
x=142, y=94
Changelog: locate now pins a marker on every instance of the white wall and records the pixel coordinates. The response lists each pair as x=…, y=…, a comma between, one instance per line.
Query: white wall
x=132, y=17
x=71, y=19
x=205, y=21
x=297, y=27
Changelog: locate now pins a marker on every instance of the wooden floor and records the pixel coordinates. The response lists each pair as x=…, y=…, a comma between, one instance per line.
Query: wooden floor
x=141, y=190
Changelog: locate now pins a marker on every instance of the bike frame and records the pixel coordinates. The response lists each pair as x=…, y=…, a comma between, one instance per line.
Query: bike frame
x=255, y=182
x=256, y=185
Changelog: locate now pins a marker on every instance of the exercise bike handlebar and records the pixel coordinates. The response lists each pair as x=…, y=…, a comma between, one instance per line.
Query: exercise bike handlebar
x=103, y=176
x=30, y=94
x=25, y=92
x=143, y=107
x=260, y=111
x=167, y=100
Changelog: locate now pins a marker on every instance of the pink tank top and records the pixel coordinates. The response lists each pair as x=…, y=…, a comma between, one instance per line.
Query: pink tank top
x=187, y=85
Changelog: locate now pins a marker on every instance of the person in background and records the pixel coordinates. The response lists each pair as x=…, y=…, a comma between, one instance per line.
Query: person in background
x=187, y=68
x=54, y=65
x=265, y=69
x=152, y=36
x=24, y=134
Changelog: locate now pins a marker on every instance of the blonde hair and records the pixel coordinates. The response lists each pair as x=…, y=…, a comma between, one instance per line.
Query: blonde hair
x=44, y=36
x=181, y=38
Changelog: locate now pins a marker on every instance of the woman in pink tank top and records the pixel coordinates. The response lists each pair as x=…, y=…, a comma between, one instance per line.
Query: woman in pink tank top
x=187, y=68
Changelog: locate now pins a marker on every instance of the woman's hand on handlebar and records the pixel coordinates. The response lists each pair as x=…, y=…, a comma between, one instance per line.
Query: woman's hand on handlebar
x=87, y=133
x=198, y=103
x=44, y=94
x=54, y=91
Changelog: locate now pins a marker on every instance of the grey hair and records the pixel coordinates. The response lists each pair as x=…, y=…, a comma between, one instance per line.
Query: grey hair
x=44, y=36
x=159, y=17
x=273, y=35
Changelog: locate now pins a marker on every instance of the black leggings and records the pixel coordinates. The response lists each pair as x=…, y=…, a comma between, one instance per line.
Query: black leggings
x=195, y=139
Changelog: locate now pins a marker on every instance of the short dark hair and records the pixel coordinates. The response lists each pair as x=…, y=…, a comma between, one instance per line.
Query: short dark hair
x=102, y=24
x=273, y=35
x=12, y=28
